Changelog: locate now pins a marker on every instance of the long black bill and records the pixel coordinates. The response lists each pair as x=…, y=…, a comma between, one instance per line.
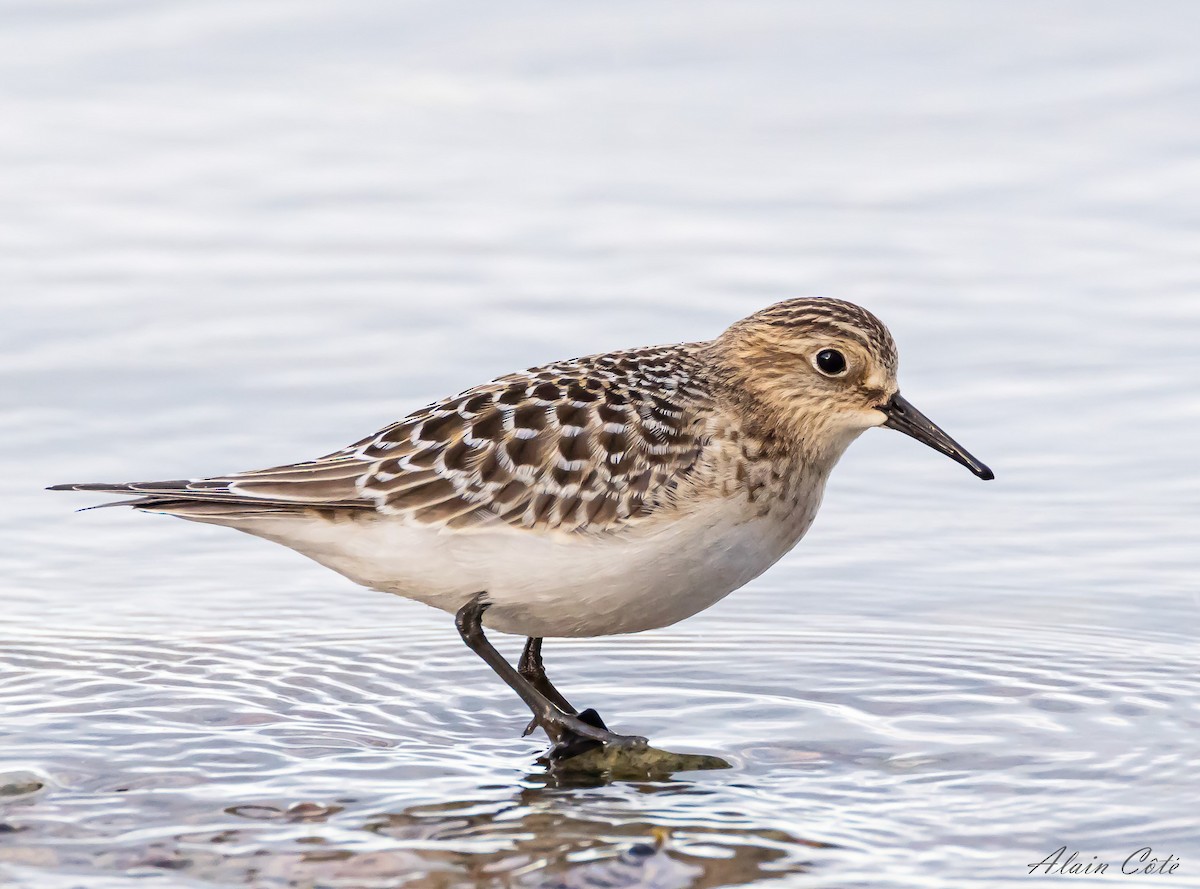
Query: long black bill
x=905, y=418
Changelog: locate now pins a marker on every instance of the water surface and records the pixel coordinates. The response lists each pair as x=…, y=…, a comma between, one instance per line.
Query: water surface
x=236, y=236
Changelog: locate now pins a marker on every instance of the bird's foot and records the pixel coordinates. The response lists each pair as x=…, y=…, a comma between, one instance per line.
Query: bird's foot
x=574, y=734
x=590, y=716
x=570, y=745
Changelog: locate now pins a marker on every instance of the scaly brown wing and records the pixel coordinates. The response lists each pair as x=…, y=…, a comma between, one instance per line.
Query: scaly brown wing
x=592, y=443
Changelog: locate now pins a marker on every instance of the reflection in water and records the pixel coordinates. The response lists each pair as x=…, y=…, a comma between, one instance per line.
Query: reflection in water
x=168, y=732
x=536, y=838
x=552, y=838
x=639, y=865
x=332, y=758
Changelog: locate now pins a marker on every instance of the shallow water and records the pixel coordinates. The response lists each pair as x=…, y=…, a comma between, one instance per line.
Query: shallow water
x=238, y=236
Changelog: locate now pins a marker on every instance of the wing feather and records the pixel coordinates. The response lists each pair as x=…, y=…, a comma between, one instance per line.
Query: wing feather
x=589, y=444
x=595, y=443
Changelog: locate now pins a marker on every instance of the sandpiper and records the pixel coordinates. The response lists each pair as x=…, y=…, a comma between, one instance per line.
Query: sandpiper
x=613, y=493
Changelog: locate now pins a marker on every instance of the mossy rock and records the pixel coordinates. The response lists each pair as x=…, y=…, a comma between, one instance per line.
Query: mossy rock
x=625, y=763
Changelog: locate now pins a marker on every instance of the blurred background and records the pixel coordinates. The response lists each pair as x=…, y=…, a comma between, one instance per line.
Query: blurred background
x=234, y=235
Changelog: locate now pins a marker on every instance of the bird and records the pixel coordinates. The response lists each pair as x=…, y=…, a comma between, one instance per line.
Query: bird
x=609, y=494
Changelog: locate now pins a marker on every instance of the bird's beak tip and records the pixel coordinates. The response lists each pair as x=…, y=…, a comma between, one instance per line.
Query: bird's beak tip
x=903, y=417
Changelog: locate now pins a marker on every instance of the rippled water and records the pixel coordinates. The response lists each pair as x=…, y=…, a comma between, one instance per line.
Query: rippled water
x=236, y=235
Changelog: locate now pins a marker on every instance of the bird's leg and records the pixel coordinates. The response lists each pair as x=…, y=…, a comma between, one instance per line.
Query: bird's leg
x=566, y=730
x=532, y=668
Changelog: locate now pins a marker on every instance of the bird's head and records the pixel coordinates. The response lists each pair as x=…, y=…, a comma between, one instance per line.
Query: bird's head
x=819, y=372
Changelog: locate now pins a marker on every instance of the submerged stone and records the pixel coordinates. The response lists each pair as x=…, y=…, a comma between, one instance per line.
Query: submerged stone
x=630, y=764
x=20, y=783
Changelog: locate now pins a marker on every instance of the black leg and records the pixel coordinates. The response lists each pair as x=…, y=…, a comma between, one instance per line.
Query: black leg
x=532, y=668
x=564, y=729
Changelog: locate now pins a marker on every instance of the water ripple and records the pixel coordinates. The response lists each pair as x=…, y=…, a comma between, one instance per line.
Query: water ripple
x=199, y=754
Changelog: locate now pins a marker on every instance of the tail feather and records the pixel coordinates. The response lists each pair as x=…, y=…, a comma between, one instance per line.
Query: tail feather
x=199, y=496
x=179, y=487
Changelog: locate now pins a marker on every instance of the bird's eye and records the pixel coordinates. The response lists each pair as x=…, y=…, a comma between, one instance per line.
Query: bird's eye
x=830, y=362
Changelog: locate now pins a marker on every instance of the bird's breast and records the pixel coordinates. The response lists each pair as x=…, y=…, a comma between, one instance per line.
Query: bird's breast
x=651, y=576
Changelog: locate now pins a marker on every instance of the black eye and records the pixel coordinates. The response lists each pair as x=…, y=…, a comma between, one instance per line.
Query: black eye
x=831, y=362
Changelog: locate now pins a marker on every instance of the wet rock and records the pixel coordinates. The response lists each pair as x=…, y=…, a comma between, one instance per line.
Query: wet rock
x=632, y=764
x=255, y=812
x=311, y=812
x=19, y=784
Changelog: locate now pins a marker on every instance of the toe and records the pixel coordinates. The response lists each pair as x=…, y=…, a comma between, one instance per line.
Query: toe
x=572, y=745
x=592, y=718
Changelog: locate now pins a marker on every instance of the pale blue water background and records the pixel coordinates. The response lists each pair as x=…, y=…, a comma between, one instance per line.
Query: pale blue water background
x=239, y=234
